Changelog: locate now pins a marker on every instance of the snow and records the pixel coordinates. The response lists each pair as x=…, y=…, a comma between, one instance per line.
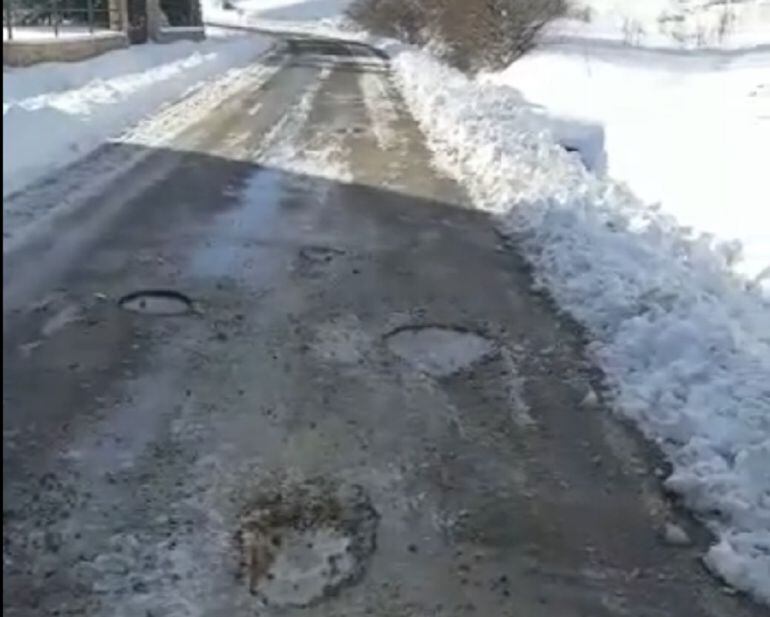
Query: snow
x=185, y=29
x=73, y=108
x=674, y=535
x=672, y=23
x=688, y=132
x=285, y=149
x=683, y=340
x=380, y=109
x=22, y=34
x=292, y=10
x=318, y=17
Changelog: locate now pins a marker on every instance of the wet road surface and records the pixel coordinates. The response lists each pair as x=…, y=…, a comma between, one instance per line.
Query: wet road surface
x=345, y=400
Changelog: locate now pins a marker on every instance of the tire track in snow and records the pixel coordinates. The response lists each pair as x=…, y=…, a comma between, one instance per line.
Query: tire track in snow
x=382, y=112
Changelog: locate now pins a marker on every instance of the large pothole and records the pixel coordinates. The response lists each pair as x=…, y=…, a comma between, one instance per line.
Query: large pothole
x=303, y=543
x=439, y=351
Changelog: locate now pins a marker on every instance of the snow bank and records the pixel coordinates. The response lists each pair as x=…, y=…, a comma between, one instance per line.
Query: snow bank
x=54, y=114
x=688, y=131
x=684, y=342
x=32, y=33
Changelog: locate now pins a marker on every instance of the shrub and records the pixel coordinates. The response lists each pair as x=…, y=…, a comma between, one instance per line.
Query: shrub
x=402, y=19
x=475, y=33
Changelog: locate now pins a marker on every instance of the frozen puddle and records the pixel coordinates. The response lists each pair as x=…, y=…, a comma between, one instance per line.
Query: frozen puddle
x=437, y=350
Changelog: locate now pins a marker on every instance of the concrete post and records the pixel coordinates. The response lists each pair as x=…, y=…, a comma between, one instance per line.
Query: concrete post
x=155, y=20
x=118, y=15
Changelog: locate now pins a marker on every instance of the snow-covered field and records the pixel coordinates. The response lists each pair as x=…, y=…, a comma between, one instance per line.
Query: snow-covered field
x=53, y=114
x=689, y=131
x=673, y=23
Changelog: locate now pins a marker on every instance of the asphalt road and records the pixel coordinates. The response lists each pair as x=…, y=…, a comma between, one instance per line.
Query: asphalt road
x=346, y=400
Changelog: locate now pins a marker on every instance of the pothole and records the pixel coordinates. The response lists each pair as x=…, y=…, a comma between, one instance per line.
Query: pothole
x=157, y=302
x=351, y=130
x=320, y=254
x=301, y=544
x=439, y=351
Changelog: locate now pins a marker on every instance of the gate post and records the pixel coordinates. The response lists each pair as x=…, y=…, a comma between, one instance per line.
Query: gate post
x=8, y=18
x=154, y=20
x=118, y=15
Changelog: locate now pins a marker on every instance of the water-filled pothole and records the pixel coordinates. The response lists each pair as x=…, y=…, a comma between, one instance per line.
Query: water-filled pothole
x=439, y=351
x=303, y=543
x=156, y=302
